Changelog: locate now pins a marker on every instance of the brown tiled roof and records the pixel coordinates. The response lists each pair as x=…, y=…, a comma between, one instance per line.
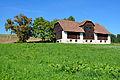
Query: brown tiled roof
x=101, y=29
x=73, y=26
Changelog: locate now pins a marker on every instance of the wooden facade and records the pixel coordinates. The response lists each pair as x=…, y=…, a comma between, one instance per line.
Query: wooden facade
x=58, y=31
x=89, y=30
x=102, y=36
x=73, y=35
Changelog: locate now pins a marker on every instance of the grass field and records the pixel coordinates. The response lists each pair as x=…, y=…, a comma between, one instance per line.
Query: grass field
x=54, y=61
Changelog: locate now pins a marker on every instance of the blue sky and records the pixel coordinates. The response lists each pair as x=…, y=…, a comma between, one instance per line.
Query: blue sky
x=104, y=12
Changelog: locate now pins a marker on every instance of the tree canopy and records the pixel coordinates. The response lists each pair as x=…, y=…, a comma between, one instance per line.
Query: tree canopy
x=118, y=38
x=21, y=25
x=44, y=29
x=113, y=38
x=40, y=27
x=71, y=18
x=51, y=35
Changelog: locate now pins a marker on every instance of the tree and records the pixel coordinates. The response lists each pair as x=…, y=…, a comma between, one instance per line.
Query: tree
x=51, y=36
x=118, y=38
x=40, y=27
x=21, y=25
x=113, y=38
x=71, y=18
x=64, y=19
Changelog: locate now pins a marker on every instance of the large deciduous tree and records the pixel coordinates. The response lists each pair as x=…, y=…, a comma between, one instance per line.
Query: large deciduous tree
x=51, y=36
x=44, y=29
x=21, y=25
x=40, y=26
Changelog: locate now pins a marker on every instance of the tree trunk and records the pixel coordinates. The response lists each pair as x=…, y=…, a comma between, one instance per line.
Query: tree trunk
x=10, y=37
x=21, y=40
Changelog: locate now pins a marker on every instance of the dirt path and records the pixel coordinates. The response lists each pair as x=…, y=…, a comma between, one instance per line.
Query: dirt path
x=5, y=38
x=13, y=41
x=6, y=41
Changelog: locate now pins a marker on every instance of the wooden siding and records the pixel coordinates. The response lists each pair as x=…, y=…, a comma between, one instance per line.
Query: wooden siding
x=58, y=31
x=89, y=30
x=102, y=36
x=73, y=35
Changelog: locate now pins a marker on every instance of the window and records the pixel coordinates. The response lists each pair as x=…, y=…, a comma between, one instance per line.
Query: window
x=76, y=40
x=90, y=40
x=73, y=35
x=100, y=40
x=57, y=41
x=86, y=41
x=60, y=40
x=70, y=40
x=102, y=36
x=105, y=41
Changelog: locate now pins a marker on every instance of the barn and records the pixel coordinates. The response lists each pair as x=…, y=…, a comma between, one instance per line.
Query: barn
x=85, y=32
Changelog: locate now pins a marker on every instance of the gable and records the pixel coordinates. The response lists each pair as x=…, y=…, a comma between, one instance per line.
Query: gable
x=57, y=28
x=89, y=30
x=89, y=26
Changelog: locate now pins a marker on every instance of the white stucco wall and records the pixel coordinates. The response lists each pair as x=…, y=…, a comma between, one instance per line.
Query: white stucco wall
x=82, y=41
x=109, y=39
x=64, y=35
x=81, y=36
x=95, y=36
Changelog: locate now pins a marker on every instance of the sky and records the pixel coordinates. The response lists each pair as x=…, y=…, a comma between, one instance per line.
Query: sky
x=104, y=12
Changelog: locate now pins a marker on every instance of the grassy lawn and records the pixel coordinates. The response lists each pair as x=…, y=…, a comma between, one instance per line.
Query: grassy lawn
x=54, y=61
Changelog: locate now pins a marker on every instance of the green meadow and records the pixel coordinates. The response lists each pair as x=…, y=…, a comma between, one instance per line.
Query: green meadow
x=57, y=61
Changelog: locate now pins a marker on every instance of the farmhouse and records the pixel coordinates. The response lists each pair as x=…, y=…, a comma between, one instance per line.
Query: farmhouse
x=81, y=32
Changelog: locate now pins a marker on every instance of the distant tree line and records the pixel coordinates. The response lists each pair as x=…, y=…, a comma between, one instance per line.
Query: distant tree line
x=23, y=27
x=115, y=39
